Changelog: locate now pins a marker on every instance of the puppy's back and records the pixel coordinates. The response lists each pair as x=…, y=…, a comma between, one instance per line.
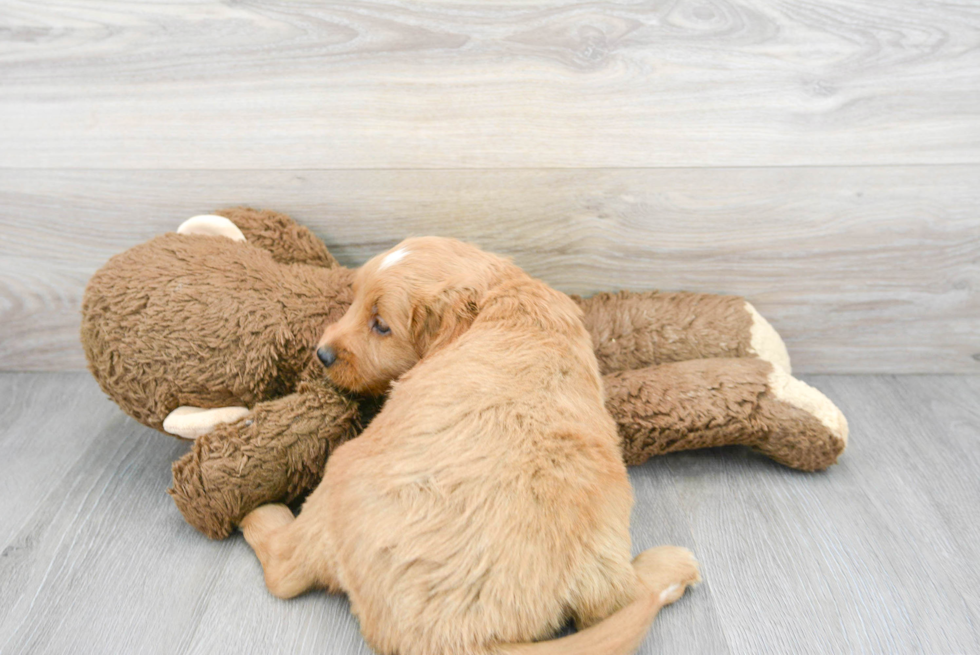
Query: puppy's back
x=505, y=495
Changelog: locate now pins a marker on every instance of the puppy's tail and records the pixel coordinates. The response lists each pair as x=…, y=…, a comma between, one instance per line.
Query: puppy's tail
x=665, y=573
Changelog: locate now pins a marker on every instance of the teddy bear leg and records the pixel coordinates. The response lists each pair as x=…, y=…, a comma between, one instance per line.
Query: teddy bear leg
x=718, y=402
x=275, y=453
x=799, y=419
x=287, y=241
x=634, y=330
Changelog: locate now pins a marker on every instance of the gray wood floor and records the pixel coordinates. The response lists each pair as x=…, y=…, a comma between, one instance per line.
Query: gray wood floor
x=876, y=555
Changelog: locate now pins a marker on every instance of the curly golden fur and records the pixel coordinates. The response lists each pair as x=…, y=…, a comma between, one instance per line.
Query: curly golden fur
x=488, y=501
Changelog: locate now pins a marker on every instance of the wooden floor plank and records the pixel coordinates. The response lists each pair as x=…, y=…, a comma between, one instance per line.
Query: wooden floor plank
x=921, y=476
x=114, y=586
x=693, y=624
x=105, y=563
x=398, y=84
x=47, y=421
x=243, y=617
x=860, y=269
x=947, y=459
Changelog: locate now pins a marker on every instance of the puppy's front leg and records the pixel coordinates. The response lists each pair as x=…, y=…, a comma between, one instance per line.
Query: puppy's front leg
x=271, y=532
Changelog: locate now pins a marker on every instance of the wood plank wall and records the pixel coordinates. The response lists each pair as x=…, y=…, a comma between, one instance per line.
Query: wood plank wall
x=819, y=157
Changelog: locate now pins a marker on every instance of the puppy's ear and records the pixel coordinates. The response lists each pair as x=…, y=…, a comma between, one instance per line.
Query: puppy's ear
x=442, y=318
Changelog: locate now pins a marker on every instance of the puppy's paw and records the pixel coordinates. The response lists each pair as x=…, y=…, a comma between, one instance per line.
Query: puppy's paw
x=667, y=572
x=264, y=520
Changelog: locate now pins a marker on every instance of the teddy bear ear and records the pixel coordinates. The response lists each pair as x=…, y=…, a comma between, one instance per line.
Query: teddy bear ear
x=211, y=225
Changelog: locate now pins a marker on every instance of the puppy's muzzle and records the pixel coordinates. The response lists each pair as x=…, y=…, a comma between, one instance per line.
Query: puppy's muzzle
x=326, y=355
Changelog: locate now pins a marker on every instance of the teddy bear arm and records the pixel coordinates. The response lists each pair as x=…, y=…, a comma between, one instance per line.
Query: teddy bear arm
x=634, y=330
x=720, y=402
x=275, y=453
x=287, y=241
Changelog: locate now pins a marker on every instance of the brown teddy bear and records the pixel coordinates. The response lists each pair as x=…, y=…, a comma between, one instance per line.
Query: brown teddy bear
x=209, y=333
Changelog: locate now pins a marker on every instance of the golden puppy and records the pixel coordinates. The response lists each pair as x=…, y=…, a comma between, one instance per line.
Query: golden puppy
x=488, y=501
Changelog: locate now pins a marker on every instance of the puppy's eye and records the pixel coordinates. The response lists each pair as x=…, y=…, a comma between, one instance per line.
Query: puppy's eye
x=379, y=326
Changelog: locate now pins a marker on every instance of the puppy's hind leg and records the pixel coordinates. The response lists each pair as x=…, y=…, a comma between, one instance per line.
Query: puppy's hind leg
x=271, y=532
x=664, y=574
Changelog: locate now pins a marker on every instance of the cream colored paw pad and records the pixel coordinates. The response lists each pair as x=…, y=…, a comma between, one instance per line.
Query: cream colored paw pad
x=211, y=225
x=800, y=394
x=766, y=342
x=192, y=422
x=671, y=594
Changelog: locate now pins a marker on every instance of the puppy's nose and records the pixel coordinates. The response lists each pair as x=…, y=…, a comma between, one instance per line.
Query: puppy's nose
x=326, y=355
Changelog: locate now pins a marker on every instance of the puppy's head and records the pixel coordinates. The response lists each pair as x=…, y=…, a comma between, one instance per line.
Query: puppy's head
x=408, y=302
